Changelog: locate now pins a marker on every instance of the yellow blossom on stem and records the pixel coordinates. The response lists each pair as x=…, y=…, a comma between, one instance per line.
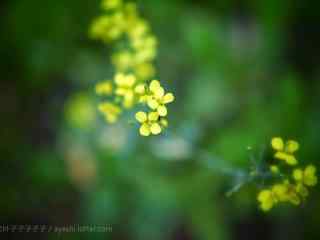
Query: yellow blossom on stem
x=284, y=151
x=158, y=99
x=134, y=65
x=149, y=123
x=267, y=199
x=307, y=176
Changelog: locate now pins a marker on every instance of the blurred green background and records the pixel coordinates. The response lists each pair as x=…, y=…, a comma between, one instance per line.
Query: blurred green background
x=242, y=72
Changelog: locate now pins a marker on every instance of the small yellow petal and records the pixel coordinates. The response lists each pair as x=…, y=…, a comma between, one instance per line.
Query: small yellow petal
x=266, y=199
x=310, y=178
x=155, y=129
x=263, y=195
x=140, y=89
x=141, y=117
x=158, y=93
x=310, y=170
x=291, y=160
x=144, y=99
x=292, y=146
x=144, y=130
x=297, y=175
x=162, y=110
x=154, y=85
x=152, y=103
x=277, y=144
x=153, y=116
x=164, y=122
x=168, y=98
x=281, y=155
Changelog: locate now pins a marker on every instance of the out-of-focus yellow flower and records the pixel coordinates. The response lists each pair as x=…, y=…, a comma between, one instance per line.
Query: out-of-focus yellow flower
x=286, y=192
x=144, y=71
x=274, y=169
x=280, y=192
x=125, y=88
x=110, y=111
x=307, y=176
x=111, y=4
x=293, y=189
x=137, y=28
x=123, y=60
x=284, y=151
x=104, y=88
x=108, y=28
x=267, y=199
x=146, y=48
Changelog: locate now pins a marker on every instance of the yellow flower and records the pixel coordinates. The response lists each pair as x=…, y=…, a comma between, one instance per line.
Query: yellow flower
x=149, y=123
x=285, y=151
x=145, y=55
x=281, y=192
x=123, y=60
x=146, y=42
x=158, y=98
x=108, y=28
x=110, y=111
x=137, y=28
x=307, y=176
x=134, y=65
x=146, y=48
x=144, y=71
x=125, y=88
x=267, y=199
x=286, y=192
x=104, y=88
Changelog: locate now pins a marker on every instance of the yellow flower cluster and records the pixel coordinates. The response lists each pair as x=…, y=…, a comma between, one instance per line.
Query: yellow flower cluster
x=285, y=151
x=292, y=187
x=156, y=99
x=133, y=65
